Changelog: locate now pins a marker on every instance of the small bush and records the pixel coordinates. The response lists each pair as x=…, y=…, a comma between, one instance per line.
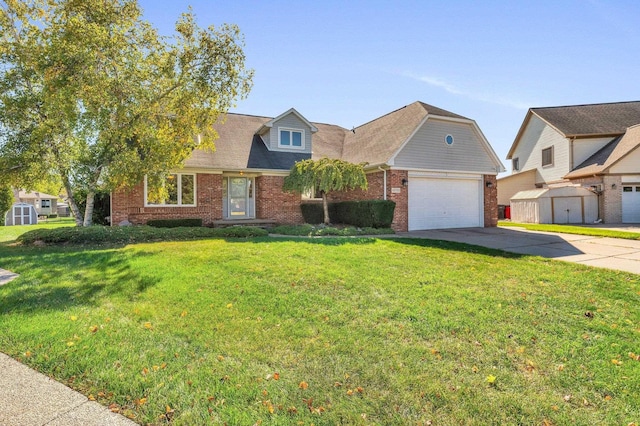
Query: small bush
x=52, y=216
x=174, y=223
x=133, y=234
x=313, y=212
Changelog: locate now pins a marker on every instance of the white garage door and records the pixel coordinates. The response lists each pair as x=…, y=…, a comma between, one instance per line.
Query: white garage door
x=631, y=203
x=436, y=203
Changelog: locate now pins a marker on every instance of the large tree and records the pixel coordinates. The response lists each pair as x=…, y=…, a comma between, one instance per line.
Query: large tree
x=93, y=94
x=325, y=175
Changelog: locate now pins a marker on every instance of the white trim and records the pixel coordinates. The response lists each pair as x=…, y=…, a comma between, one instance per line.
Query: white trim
x=436, y=175
x=179, y=187
x=291, y=130
x=409, y=169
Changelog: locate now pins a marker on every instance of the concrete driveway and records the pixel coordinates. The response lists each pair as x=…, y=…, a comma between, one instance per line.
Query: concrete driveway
x=612, y=253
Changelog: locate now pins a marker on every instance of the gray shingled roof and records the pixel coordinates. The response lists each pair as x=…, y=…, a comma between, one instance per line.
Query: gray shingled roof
x=594, y=119
x=608, y=155
x=238, y=147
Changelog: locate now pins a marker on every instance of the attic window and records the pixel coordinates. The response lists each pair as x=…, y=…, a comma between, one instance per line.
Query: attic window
x=515, y=164
x=547, y=157
x=291, y=138
x=448, y=139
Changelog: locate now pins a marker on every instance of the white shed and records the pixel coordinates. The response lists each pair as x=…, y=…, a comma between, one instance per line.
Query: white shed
x=564, y=204
x=21, y=214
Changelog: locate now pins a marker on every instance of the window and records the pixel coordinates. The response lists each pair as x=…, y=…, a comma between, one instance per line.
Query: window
x=515, y=164
x=627, y=189
x=45, y=204
x=547, y=157
x=291, y=138
x=313, y=194
x=181, y=190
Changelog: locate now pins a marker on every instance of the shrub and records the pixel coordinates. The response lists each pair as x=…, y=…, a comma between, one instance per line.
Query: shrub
x=133, y=234
x=368, y=213
x=52, y=216
x=174, y=223
x=310, y=231
x=312, y=212
x=6, y=200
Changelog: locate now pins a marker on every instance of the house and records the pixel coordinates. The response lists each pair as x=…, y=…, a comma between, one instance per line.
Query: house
x=593, y=146
x=44, y=204
x=436, y=165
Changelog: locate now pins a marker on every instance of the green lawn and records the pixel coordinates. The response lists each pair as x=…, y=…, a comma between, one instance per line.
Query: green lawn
x=327, y=331
x=570, y=229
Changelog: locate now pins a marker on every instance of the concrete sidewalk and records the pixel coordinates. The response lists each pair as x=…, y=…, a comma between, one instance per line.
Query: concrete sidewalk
x=29, y=398
x=601, y=252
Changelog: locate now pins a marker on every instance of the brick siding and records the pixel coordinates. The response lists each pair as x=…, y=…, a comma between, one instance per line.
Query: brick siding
x=128, y=204
x=275, y=204
x=610, y=200
x=490, y=201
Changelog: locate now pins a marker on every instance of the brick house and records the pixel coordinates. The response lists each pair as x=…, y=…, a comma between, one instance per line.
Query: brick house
x=595, y=146
x=436, y=165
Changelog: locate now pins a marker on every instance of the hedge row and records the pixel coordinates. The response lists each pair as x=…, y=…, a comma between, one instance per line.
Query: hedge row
x=174, y=223
x=133, y=234
x=368, y=213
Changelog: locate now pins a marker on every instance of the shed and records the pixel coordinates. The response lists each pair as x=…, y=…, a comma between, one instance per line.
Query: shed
x=21, y=214
x=562, y=205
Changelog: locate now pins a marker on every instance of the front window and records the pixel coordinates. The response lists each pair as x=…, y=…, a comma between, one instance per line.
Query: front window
x=547, y=157
x=180, y=191
x=312, y=194
x=45, y=204
x=291, y=138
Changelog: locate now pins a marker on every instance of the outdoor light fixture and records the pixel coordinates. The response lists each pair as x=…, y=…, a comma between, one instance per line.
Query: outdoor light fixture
x=489, y=184
x=404, y=182
x=613, y=186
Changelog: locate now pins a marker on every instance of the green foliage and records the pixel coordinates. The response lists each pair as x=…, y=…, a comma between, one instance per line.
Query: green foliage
x=132, y=234
x=175, y=223
x=313, y=212
x=101, y=205
x=325, y=175
x=6, y=200
x=367, y=213
x=320, y=230
x=372, y=213
x=91, y=90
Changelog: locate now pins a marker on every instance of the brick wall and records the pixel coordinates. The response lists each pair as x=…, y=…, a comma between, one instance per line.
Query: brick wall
x=273, y=203
x=490, y=201
x=610, y=201
x=128, y=204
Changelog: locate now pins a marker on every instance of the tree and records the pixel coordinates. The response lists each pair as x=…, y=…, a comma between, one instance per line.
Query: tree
x=325, y=175
x=90, y=92
x=6, y=200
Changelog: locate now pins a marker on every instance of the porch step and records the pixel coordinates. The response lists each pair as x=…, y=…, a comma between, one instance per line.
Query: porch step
x=261, y=223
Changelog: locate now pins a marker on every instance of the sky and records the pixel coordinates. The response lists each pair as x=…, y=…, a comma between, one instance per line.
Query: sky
x=349, y=62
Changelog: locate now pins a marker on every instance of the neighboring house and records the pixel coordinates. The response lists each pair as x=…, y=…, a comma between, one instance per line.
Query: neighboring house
x=45, y=204
x=436, y=165
x=593, y=146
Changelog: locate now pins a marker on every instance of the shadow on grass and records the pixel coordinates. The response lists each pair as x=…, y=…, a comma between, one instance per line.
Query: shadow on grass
x=59, y=278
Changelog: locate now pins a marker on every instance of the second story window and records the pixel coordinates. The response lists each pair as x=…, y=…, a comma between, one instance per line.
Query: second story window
x=291, y=138
x=515, y=164
x=547, y=157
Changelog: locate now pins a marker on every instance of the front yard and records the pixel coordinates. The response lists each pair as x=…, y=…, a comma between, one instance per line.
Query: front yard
x=327, y=331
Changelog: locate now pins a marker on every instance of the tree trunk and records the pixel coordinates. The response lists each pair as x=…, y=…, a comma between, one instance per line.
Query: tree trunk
x=325, y=208
x=88, y=210
x=75, y=211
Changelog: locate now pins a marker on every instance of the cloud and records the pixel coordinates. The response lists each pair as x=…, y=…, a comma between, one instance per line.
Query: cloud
x=476, y=96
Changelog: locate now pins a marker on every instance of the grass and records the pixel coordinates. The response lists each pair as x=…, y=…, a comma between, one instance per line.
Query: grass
x=578, y=230
x=322, y=230
x=327, y=331
x=11, y=233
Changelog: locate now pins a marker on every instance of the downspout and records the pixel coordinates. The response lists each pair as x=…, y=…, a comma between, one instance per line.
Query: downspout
x=384, y=182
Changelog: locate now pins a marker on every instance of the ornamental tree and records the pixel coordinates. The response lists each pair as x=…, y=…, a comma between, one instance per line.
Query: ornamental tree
x=325, y=175
x=91, y=93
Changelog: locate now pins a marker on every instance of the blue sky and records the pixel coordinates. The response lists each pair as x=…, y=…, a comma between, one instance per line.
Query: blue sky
x=348, y=62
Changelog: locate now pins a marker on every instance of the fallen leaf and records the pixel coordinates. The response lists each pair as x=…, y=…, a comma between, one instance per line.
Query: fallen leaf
x=229, y=305
x=91, y=397
x=616, y=361
x=359, y=389
x=491, y=379
x=27, y=354
x=220, y=358
x=70, y=344
x=73, y=317
x=607, y=397
x=303, y=385
x=148, y=325
x=276, y=376
x=567, y=398
x=349, y=392
x=183, y=314
x=93, y=328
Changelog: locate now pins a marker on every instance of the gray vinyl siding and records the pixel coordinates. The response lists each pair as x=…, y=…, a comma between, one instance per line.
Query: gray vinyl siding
x=290, y=121
x=427, y=149
x=585, y=148
x=536, y=137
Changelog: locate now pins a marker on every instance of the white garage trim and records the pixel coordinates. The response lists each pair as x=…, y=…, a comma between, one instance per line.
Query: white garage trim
x=631, y=202
x=438, y=201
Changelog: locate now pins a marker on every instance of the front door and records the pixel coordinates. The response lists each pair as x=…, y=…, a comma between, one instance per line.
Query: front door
x=239, y=194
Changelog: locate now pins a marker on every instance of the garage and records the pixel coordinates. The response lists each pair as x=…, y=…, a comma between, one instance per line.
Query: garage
x=631, y=203
x=445, y=202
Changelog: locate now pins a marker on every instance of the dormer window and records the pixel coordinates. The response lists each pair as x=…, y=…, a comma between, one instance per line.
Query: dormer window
x=291, y=138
